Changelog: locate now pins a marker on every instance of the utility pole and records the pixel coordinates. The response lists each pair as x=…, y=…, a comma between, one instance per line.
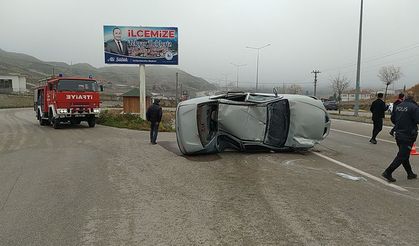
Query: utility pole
x=358, y=67
x=177, y=81
x=315, y=80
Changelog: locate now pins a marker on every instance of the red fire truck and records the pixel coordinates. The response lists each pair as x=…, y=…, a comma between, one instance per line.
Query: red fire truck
x=61, y=99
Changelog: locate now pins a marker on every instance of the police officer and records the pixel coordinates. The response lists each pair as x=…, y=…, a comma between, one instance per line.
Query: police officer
x=405, y=117
x=378, y=108
x=397, y=102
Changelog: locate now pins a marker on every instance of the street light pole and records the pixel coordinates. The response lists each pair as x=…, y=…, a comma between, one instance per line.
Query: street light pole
x=225, y=80
x=237, y=66
x=257, y=63
x=358, y=67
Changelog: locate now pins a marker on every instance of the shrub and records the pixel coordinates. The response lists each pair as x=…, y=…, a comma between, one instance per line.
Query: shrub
x=115, y=118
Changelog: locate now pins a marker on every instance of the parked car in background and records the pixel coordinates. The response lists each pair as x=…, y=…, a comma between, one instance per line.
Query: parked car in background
x=250, y=121
x=330, y=105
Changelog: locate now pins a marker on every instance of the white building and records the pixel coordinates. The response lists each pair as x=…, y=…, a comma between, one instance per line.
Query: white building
x=349, y=96
x=12, y=83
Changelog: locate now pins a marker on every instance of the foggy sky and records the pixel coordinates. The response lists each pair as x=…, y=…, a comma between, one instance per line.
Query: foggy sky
x=304, y=35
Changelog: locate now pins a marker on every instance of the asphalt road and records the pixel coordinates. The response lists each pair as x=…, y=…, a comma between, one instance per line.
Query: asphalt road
x=108, y=186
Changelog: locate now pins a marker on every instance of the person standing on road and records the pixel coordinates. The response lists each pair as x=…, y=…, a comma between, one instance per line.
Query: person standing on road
x=397, y=102
x=378, y=108
x=405, y=117
x=154, y=114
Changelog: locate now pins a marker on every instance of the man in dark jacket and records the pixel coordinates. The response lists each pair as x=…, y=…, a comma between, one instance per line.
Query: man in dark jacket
x=154, y=114
x=378, y=108
x=397, y=102
x=405, y=117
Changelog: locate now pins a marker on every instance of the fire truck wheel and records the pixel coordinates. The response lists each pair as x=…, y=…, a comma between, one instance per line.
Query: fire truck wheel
x=38, y=116
x=91, y=122
x=55, y=123
x=42, y=122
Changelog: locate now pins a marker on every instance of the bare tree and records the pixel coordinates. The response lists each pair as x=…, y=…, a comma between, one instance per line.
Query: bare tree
x=295, y=89
x=339, y=84
x=388, y=75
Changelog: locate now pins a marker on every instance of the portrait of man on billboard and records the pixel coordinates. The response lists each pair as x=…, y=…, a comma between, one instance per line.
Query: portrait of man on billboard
x=117, y=45
x=140, y=45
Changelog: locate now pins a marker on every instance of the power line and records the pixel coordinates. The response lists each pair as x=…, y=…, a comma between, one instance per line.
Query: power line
x=376, y=57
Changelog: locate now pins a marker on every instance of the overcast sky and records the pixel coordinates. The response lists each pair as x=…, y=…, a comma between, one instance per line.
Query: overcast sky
x=304, y=35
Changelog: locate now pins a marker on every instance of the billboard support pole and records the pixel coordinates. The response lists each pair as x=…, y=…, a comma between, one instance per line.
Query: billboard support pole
x=177, y=85
x=142, y=92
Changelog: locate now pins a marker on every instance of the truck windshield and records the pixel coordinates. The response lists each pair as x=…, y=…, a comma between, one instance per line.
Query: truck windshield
x=77, y=85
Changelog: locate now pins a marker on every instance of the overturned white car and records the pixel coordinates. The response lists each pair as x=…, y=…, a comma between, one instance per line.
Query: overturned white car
x=250, y=122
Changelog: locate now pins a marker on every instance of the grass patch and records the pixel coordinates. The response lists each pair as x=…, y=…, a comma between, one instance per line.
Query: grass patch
x=114, y=118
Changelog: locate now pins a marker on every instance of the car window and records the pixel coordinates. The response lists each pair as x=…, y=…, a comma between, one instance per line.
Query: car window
x=260, y=98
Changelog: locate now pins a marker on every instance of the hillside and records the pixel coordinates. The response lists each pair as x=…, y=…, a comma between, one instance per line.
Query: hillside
x=115, y=78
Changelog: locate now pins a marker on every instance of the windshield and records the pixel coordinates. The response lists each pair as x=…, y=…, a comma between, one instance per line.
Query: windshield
x=77, y=85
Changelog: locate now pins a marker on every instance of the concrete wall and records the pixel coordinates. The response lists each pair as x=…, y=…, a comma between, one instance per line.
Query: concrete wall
x=15, y=101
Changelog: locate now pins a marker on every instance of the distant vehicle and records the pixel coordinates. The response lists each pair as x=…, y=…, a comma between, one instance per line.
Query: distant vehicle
x=250, y=121
x=67, y=99
x=330, y=105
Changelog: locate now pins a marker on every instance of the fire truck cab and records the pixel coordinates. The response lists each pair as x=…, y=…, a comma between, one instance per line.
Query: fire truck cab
x=71, y=100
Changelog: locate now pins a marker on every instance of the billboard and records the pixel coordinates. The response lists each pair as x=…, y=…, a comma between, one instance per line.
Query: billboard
x=140, y=45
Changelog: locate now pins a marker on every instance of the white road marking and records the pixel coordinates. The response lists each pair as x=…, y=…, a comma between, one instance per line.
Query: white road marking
x=359, y=135
x=360, y=172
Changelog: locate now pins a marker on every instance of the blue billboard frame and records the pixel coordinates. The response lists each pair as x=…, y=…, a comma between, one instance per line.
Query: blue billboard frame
x=141, y=45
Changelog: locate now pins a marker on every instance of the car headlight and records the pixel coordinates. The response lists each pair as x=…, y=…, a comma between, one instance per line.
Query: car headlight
x=62, y=110
x=96, y=110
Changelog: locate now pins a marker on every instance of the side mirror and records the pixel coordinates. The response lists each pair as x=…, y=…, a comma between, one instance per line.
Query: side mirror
x=101, y=87
x=275, y=91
